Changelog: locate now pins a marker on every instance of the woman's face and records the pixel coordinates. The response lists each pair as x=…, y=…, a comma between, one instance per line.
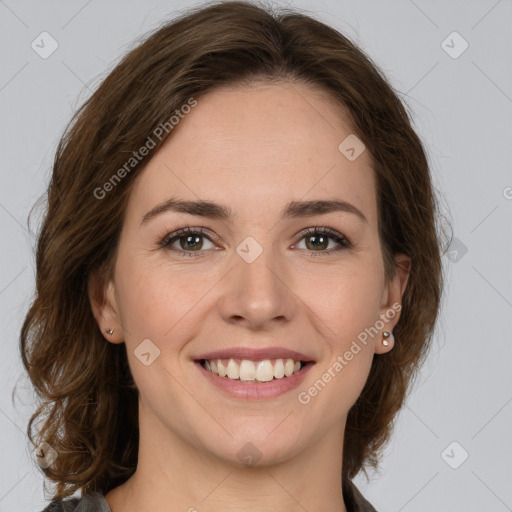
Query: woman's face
x=255, y=284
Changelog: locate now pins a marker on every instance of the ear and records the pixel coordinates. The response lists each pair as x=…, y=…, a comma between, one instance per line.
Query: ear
x=392, y=301
x=101, y=292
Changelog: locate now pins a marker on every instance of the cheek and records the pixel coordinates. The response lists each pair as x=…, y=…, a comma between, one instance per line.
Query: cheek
x=336, y=386
x=155, y=297
x=351, y=312
x=349, y=302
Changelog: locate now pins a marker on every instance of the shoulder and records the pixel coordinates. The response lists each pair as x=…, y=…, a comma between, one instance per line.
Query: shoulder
x=362, y=504
x=90, y=502
x=354, y=500
x=62, y=506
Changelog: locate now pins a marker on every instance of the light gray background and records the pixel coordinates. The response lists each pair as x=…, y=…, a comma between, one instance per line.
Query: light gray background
x=462, y=109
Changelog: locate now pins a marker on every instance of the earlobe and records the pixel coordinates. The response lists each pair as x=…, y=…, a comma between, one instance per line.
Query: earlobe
x=104, y=306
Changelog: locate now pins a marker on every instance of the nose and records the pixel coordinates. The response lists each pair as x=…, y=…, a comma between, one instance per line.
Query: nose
x=259, y=294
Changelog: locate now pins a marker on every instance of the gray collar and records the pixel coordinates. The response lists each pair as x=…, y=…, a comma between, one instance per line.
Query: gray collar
x=93, y=502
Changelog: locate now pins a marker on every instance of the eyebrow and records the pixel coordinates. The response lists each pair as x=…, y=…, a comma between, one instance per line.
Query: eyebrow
x=294, y=209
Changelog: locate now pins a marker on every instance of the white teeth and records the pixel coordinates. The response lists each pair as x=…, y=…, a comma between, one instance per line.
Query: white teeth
x=222, y=369
x=279, y=369
x=265, y=372
x=233, y=370
x=288, y=367
x=247, y=370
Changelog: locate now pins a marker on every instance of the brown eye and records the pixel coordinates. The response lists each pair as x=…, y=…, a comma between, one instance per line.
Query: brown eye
x=318, y=239
x=317, y=242
x=189, y=241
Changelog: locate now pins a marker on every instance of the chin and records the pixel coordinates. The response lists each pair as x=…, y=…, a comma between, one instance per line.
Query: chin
x=252, y=447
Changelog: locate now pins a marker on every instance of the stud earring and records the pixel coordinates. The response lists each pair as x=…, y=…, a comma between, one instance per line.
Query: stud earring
x=109, y=331
x=385, y=336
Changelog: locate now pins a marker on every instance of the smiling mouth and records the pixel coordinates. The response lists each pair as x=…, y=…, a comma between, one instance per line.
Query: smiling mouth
x=246, y=370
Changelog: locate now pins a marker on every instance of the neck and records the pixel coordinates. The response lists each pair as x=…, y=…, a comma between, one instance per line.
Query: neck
x=175, y=475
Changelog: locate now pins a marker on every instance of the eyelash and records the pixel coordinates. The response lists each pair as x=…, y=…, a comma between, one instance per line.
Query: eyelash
x=314, y=231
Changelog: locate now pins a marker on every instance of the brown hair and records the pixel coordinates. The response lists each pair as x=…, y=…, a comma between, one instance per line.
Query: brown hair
x=89, y=402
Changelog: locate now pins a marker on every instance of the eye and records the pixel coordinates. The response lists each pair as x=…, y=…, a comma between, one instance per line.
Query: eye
x=188, y=239
x=320, y=240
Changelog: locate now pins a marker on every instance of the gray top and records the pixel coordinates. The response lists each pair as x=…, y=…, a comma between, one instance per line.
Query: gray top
x=96, y=502
x=91, y=502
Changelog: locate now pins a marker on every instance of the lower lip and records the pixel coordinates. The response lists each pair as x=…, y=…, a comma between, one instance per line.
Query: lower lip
x=255, y=390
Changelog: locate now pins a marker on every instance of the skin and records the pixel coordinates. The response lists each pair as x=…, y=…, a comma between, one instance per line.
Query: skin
x=254, y=150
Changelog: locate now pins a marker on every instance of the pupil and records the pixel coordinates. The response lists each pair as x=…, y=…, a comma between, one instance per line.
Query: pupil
x=192, y=237
x=317, y=244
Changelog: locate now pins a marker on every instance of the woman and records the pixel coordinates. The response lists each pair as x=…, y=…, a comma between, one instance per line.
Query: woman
x=238, y=274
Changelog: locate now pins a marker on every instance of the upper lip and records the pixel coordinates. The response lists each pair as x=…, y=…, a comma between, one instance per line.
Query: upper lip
x=256, y=354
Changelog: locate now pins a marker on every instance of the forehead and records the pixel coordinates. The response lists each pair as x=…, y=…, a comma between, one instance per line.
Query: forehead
x=256, y=148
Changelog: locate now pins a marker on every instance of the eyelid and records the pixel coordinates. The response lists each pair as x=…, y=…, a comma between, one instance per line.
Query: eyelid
x=333, y=233
x=192, y=230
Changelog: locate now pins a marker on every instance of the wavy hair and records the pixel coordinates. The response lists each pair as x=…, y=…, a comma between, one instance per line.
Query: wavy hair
x=87, y=400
